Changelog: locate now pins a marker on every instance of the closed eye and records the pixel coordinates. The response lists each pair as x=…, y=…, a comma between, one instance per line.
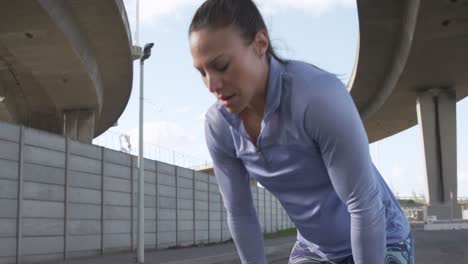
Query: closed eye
x=223, y=68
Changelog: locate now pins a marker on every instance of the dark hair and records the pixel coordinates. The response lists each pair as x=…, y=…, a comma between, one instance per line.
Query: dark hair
x=243, y=14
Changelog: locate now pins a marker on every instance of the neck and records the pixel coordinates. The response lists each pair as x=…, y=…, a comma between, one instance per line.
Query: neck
x=257, y=104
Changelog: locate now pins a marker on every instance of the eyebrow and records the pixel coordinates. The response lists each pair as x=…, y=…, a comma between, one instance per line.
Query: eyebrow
x=215, y=59
x=212, y=62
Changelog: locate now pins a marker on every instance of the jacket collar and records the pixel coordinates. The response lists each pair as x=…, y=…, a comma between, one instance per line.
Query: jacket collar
x=273, y=96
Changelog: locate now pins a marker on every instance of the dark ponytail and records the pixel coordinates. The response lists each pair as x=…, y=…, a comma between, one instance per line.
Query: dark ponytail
x=243, y=14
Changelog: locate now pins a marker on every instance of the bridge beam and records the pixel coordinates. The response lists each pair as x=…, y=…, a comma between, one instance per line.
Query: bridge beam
x=436, y=110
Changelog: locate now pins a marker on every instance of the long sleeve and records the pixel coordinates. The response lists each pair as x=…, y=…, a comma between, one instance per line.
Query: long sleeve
x=333, y=122
x=234, y=185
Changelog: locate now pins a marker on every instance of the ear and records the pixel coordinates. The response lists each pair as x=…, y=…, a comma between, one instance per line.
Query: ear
x=261, y=43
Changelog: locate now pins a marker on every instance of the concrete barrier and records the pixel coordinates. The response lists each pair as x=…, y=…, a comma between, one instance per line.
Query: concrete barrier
x=446, y=225
x=75, y=200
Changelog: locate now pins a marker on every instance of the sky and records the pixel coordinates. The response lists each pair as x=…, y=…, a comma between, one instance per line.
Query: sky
x=321, y=32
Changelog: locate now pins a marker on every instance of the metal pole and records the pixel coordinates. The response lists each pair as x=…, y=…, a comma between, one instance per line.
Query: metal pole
x=141, y=195
x=19, y=212
x=66, y=200
x=141, y=167
x=137, y=24
x=451, y=206
x=102, y=200
x=132, y=203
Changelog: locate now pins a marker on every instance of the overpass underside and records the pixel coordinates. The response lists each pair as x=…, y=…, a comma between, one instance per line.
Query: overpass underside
x=412, y=69
x=65, y=66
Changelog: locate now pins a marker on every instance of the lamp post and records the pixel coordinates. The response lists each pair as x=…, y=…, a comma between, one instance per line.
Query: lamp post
x=141, y=168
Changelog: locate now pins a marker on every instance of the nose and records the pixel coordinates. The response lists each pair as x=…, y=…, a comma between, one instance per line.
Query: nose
x=214, y=83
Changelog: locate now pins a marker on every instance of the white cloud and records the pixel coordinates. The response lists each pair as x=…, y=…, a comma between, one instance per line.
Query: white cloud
x=163, y=133
x=201, y=117
x=183, y=110
x=166, y=141
x=405, y=180
x=313, y=7
x=151, y=11
x=396, y=174
x=463, y=179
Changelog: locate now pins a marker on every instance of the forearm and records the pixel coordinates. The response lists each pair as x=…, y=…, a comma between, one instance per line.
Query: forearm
x=247, y=235
x=368, y=236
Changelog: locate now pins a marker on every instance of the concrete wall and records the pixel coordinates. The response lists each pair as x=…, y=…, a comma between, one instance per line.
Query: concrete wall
x=446, y=225
x=75, y=200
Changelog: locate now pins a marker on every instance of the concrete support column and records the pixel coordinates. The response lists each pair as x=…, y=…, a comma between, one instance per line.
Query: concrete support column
x=436, y=110
x=79, y=124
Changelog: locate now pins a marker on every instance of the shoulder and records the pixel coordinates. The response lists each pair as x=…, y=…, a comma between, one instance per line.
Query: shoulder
x=320, y=102
x=215, y=125
x=309, y=79
x=303, y=69
x=306, y=84
x=213, y=116
x=217, y=131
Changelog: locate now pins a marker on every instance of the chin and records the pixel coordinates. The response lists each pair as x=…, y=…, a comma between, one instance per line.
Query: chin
x=230, y=109
x=233, y=110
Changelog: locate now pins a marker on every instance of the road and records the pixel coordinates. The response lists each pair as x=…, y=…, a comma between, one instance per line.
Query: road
x=434, y=247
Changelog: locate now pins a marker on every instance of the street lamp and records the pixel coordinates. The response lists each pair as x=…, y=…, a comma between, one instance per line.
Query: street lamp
x=141, y=192
x=146, y=52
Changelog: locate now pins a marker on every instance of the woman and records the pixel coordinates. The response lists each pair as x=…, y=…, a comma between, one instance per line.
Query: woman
x=295, y=129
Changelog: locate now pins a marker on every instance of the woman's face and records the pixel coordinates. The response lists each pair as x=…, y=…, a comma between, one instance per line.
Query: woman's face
x=231, y=69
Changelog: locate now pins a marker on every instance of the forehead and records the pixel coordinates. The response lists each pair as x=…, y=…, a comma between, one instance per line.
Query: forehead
x=209, y=42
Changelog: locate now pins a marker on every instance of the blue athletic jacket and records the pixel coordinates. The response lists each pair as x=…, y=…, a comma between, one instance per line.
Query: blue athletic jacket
x=313, y=156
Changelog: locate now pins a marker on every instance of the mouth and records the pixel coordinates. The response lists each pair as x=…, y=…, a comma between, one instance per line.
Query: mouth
x=226, y=98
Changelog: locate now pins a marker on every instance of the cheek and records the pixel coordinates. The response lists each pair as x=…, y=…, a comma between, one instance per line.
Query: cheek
x=236, y=77
x=243, y=78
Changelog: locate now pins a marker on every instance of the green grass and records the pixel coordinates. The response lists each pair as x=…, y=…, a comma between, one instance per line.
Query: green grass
x=282, y=233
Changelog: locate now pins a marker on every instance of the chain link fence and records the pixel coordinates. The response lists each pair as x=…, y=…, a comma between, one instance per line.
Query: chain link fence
x=122, y=142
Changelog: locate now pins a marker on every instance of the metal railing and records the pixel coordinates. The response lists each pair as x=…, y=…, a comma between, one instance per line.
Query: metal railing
x=122, y=142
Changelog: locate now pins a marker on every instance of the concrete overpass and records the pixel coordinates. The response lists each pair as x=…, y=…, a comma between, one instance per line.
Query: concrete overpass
x=65, y=66
x=412, y=68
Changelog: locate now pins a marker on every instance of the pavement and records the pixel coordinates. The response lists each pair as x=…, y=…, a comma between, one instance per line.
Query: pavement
x=225, y=253
x=444, y=247
x=432, y=247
